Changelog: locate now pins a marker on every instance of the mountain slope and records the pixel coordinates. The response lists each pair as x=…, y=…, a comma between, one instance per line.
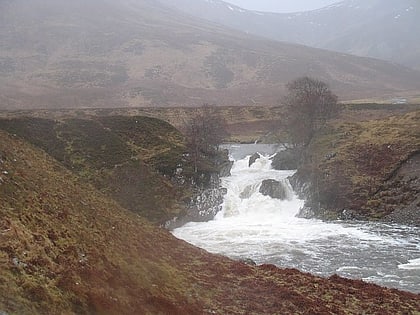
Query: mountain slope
x=67, y=249
x=383, y=29
x=130, y=159
x=142, y=53
x=386, y=35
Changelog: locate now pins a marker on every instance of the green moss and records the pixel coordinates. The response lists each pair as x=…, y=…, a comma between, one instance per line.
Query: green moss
x=90, y=144
x=155, y=141
x=41, y=132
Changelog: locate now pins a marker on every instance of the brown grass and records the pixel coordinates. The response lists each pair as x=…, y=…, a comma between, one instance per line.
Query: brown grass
x=65, y=248
x=366, y=154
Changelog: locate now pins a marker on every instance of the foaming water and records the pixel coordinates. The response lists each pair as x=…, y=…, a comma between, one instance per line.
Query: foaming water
x=413, y=264
x=266, y=230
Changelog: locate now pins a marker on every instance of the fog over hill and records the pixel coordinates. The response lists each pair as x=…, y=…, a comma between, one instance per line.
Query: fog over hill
x=144, y=53
x=384, y=29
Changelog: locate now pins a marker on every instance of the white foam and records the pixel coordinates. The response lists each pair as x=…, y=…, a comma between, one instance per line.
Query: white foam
x=255, y=218
x=413, y=264
x=347, y=268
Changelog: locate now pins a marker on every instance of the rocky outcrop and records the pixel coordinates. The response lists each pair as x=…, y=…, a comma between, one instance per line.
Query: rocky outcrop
x=401, y=193
x=302, y=187
x=223, y=165
x=253, y=158
x=207, y=198
x=397, y=199
x=203, y=206
x=274, y=189
x=285, y=160
x=302, y=184
x=408, y=215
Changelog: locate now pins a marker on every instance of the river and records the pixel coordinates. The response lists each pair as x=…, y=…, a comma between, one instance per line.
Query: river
x=267, y=230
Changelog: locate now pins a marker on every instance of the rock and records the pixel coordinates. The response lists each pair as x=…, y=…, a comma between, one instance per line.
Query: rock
x=400, y=193
x=274, y=189
x=18, y=263
x=203, y=206
x=247, y=261
x=348, y=215
x=207, y=197
x=223, y=164
x=408, y=215
x=247, y=192
x=253, y=158
x=330, y=156
x=301, y=185
x=225, y=168
x=285, y=160
x=306, y=213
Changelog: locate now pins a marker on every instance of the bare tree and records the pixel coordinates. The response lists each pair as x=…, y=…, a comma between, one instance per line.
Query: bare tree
x=204, y=132
x=308, y=105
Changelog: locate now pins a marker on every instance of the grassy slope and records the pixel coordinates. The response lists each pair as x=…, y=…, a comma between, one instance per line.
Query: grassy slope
x=367, y=153
x=66, y=248
x=124, y=157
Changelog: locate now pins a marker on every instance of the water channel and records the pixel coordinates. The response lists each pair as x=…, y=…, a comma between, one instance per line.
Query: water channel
x=267, y=230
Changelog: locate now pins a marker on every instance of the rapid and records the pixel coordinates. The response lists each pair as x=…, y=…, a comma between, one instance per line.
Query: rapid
x=266, y=230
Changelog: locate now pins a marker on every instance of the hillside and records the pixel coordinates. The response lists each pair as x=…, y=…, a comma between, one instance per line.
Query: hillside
x=365, y=168
x=369, y=28
x=66, y=248
x=85, y=54
x=127, y=158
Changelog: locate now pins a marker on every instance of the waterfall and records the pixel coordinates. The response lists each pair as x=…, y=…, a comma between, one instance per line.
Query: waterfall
x=266, y=230
x=243, y=197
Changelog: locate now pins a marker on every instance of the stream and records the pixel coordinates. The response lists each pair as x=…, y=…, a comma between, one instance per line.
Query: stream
x=267, y=231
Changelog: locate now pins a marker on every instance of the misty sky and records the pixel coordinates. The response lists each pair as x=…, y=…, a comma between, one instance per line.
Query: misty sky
x=282, y=5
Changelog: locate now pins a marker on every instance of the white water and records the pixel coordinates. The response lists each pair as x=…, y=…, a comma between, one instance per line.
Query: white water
x=266, y=230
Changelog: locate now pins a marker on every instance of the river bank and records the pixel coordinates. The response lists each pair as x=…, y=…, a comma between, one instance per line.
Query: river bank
x=364, y=170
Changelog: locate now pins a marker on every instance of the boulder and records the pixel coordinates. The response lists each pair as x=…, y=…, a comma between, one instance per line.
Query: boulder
x=253, y=158
x=223, y=163
x=306, y=212
x=285, y=160
x=274, y=189
x=225, y=168
x=203, y=205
